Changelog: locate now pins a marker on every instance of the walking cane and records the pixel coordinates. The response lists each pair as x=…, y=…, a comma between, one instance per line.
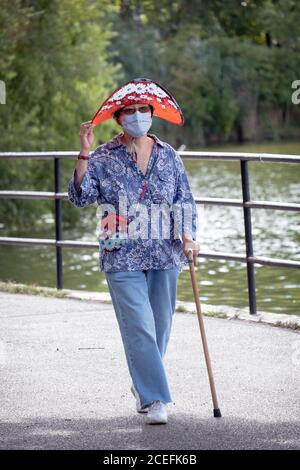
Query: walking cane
x=217, y=412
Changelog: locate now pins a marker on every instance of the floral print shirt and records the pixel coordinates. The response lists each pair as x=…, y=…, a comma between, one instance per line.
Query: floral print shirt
x=112, y=172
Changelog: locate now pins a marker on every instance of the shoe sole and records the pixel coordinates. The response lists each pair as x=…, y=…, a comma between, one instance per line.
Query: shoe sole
x=142, y=411
x=157, y=422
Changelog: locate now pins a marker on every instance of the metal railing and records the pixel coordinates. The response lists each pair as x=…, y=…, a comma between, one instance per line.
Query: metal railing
x=246, y=203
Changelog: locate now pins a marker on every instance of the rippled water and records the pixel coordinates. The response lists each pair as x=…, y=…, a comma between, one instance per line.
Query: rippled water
x=276, y=234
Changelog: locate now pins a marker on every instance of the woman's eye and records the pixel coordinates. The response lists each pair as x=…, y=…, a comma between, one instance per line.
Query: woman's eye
x=142, y=109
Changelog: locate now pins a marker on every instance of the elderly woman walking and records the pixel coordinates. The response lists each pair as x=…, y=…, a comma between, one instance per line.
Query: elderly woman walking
x=148, y=225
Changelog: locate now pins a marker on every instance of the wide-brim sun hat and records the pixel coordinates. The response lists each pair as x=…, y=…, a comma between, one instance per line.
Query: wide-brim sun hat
x=141, y=91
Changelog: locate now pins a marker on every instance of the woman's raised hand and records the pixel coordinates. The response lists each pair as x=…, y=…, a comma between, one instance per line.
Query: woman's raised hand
x=86, y=136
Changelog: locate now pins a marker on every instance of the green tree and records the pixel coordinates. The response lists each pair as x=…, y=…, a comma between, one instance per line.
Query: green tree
x=55, y=65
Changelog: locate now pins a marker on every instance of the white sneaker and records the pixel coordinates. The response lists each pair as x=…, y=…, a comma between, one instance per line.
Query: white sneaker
x=138, y=401
x=157, y=413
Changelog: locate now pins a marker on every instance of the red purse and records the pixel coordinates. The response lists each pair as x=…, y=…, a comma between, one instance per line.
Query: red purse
x=114, y=228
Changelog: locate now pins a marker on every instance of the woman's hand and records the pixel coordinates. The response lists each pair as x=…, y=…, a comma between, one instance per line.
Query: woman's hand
x=190, y=245
x=86, y=136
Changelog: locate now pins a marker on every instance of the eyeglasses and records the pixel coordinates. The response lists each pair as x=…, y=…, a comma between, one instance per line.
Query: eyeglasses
x=142, y=109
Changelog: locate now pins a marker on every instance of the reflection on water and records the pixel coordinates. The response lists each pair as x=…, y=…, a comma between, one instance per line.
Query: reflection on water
x=276, y=234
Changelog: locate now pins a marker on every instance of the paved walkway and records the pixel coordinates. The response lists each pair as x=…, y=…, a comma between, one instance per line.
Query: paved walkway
x=64, y=382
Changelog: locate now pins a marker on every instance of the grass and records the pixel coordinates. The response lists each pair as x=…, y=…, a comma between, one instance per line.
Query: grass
x=291, y=325
x=210, y=313
x=182, y=309
x=32, y=289
x=215, y=314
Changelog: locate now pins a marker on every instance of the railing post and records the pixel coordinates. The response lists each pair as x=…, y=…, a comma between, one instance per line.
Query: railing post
x=248, y=236
x=58, y=226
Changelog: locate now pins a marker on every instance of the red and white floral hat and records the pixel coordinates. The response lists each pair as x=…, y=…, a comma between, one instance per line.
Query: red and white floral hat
x=141, y=91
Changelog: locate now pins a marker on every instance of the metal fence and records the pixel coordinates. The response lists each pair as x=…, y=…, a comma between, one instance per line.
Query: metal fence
x=245, y=202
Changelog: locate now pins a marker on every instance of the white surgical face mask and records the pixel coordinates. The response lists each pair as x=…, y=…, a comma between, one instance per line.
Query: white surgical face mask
x=136, y=124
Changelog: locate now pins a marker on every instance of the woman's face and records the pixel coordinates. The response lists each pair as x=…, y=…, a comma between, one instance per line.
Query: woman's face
x=131, y=109
x=136, y=119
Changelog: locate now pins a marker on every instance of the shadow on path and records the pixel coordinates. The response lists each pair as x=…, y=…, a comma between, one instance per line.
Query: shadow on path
x=183, y=431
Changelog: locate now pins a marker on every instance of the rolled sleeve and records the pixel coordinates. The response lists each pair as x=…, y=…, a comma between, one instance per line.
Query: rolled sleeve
x=185, y=201
x=88, y=192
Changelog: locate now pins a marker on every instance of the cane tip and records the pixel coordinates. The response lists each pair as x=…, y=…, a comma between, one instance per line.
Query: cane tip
x=217, y=413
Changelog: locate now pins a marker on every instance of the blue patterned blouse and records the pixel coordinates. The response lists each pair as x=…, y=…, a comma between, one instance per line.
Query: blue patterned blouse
x=111, y=173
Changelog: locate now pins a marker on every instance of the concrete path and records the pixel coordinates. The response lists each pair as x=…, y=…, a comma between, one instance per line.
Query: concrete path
x=64, y=382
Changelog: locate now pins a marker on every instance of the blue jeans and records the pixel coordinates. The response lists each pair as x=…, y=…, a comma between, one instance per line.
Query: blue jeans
x=144, y=303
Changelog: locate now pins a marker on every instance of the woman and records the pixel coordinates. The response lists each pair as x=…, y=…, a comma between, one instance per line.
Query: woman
x=148, y=225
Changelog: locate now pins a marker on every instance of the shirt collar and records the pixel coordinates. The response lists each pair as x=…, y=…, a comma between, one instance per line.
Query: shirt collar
x=116, y=142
